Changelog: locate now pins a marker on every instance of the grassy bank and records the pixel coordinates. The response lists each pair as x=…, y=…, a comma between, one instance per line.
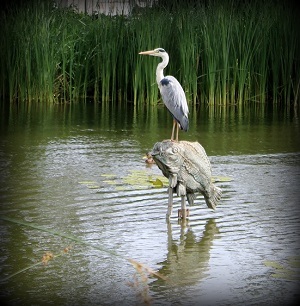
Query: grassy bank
x=222, y=53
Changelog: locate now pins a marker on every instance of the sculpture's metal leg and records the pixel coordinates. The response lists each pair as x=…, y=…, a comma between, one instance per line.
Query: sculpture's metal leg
x=170, y=203
x=173, y=129
x=183, y=208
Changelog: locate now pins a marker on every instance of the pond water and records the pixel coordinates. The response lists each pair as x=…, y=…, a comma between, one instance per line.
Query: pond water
x=74, y=184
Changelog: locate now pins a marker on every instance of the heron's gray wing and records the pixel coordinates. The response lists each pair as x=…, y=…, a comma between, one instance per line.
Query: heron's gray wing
x=175, y=100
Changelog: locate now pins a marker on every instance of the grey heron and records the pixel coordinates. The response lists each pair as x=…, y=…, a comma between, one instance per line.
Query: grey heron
x=172, y=93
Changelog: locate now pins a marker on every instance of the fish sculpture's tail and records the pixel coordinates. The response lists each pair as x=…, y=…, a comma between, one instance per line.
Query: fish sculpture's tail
x=213, y=197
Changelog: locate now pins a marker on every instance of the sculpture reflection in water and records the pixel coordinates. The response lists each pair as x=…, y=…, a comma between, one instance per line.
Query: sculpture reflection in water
x=187, y=258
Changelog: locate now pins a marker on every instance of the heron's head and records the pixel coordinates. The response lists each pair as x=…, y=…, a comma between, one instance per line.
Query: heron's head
x=156, y=52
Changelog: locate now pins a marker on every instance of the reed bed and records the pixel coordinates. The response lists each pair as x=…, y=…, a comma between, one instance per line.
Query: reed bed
x=223, y=53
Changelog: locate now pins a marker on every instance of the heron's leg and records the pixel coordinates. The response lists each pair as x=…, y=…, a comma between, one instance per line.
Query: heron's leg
x=177, y=130
x=170, y=203
x=173, y=129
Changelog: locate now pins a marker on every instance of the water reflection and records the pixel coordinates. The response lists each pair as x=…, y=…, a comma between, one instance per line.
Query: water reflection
x=222, y=131
x=188, y=256
x=47, y=156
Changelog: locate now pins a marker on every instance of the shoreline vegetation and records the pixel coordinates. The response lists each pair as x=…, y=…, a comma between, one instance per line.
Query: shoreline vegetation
x=222, y=52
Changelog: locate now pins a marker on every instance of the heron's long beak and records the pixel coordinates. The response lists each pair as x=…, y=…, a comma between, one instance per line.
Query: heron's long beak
x=147, y=52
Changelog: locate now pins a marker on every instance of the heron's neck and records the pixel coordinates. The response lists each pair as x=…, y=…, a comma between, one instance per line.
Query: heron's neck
x=160, y=68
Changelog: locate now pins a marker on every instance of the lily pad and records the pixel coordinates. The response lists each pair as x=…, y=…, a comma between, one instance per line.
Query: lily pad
x=110, y=182
x=140, y=179
x=217, y=179
x=90, y=184
x=273, y=264
x=288, y=269
x=108, y=175
x=145, y=179
x=87, y=182
x=158, y=183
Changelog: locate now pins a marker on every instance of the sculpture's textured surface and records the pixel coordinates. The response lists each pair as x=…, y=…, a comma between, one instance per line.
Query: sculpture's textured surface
x=188, y=169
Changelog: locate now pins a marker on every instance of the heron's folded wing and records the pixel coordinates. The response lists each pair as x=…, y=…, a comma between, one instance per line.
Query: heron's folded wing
x=174, y=98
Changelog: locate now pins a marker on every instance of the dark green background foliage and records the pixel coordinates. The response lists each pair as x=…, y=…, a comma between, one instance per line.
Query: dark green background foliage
x=231, y=52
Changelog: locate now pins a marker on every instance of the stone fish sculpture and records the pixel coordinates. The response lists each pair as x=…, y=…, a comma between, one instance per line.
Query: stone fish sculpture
x=188, y=169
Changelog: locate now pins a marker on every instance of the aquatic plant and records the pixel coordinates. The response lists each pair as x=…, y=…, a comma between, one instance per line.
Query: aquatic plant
x=287, y=269
x=223, y=53
x=141, y=276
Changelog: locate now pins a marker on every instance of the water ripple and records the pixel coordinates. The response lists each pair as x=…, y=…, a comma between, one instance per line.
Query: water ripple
x=216, y=256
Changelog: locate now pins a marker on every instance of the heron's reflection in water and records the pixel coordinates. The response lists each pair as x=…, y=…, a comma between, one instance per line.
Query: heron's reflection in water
x=187, y=258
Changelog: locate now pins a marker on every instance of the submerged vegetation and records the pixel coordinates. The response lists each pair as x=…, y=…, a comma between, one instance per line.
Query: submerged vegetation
x=231, y=52
x=140, y=278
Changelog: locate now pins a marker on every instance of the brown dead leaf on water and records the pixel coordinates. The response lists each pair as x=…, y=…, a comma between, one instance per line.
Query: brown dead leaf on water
x=47, y=257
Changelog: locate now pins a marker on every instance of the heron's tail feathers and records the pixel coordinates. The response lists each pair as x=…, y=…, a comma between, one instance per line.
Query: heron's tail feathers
x=215, y=194
x=184, y=123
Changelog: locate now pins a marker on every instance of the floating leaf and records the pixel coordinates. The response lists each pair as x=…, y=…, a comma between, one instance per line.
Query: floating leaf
x=142, y=179
x=87, y=182
x=120, y=188
x=108, y=175
x=158, y=183
x=287, y=269
x=294, y=262
x=273, y=264
x=139, y=179
x=90, y=184
x=217, y=179
x=286, y=274
x=110, y=182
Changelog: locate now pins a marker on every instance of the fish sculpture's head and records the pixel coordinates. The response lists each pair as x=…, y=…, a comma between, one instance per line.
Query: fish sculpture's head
x=169, y=156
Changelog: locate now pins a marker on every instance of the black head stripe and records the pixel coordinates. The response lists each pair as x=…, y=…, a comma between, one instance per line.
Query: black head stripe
x=165, y=82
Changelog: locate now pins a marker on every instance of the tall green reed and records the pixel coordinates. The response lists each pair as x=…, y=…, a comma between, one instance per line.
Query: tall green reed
x=222, y=53
x=151, y=30
x=187, y=32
